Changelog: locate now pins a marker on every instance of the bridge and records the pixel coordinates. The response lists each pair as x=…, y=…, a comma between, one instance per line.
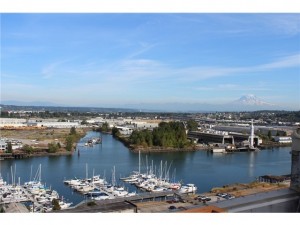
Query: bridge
x=209, y=137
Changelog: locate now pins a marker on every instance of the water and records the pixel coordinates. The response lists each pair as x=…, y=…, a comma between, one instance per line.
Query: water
x=202, y=168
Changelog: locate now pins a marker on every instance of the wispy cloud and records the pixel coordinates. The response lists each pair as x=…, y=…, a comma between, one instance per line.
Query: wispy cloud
x=233, y=87
x=144, y=47
x=285, y=23
x=289, y=61
x=200, y=73
x=50, y=70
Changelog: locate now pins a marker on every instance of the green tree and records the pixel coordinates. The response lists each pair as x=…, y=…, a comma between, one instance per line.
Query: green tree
x=192, y=125
x=9, y=147
x=56, y=205
x=69, y=143
x=84, y=122
x=171, y=134
x=28, y=149
x=52, y=147
x=269, y=135
x=105, y=127
x=73, y=131
x=115, y=132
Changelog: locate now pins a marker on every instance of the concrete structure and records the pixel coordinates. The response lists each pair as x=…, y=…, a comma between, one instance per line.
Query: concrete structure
x=239, y=138
x=283, y=139
x=124, y=130
x=15, y=208
x=56, y=124
x=284, y=200
x=144, y=125
x=211, y=137
x=281, y=131
x=295, y=169
x=12, y=122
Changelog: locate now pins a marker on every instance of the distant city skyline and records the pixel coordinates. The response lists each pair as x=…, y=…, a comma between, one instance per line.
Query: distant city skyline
x=115, y=60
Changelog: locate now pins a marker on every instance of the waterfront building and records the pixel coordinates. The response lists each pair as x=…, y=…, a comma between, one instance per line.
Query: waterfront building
x=3, y=146
x=283, y=140
x=12, y=122
x=211, y=137
x=56, y=124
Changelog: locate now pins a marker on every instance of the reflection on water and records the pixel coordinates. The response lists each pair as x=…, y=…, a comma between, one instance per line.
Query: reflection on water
x=203, y=168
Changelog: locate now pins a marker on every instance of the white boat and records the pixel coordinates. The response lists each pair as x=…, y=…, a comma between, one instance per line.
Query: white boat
x=73, y=182
x=158, y=189
x=218, y=150
x=120, y=193
x=64, y=205
x=188, y=188
x=103, y=196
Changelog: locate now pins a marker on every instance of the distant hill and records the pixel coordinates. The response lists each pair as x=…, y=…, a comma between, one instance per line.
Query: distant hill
x=21, y=103
x=244, y=103
x=64, y=109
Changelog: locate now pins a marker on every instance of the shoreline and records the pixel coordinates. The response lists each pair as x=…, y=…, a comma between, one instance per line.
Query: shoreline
x=42, y=149
x=157, y=149
x=194, y=148
x=132, y=148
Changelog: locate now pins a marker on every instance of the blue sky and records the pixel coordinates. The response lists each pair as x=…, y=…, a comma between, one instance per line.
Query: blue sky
x=118, y=59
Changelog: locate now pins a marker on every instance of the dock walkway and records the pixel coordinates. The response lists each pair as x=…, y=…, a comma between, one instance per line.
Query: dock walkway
x=121, y=203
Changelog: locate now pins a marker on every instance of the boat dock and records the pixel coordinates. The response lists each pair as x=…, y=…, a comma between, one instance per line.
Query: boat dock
x=16, y=155
x=119, y=204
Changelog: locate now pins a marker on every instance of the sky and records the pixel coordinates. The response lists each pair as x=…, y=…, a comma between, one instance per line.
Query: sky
x=123, y=59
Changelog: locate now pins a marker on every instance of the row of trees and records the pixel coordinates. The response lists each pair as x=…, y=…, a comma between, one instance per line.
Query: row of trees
x=170, y=134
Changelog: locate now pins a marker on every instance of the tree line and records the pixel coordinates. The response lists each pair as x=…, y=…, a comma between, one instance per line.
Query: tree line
x=172, y=134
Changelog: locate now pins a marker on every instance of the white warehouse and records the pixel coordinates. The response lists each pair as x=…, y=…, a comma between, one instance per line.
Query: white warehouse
x=283, y=139
x=12, y=122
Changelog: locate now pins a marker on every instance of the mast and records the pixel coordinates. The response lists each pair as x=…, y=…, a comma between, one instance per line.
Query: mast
x=86, y=171
x=12, y=177
x=15, y=174
x=146, y=165
x=113, y=179
x=40, y=178
x=139, y=162
x=252, y=134
x=161, y=170
x=30, y=172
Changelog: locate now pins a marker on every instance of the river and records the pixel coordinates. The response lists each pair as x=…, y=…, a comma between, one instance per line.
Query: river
x=202, y=168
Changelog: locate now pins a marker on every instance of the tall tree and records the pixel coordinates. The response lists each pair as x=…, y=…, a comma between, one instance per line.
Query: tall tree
x=192, y=125
x=73, y=131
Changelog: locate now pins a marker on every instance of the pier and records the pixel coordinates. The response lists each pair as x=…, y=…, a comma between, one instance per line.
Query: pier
x=122, y=204
x=16, y=155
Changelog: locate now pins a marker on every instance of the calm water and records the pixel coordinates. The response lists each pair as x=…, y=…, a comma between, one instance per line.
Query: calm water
x=204, y=169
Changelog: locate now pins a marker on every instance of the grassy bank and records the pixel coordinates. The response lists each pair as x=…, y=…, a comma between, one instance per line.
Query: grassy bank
x=36, y=141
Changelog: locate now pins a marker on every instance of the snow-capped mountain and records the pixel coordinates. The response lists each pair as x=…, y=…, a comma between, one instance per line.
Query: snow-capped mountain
x=251, y=100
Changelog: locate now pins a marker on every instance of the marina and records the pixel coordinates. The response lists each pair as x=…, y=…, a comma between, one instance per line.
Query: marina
x=34, y=194
x=203, y=169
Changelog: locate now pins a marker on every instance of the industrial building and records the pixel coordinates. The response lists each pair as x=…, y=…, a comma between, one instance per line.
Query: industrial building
x=12, y=122
x=283, y=140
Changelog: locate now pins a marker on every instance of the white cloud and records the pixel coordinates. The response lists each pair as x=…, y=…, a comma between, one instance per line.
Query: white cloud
x=51, y=69
x=233, y=87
